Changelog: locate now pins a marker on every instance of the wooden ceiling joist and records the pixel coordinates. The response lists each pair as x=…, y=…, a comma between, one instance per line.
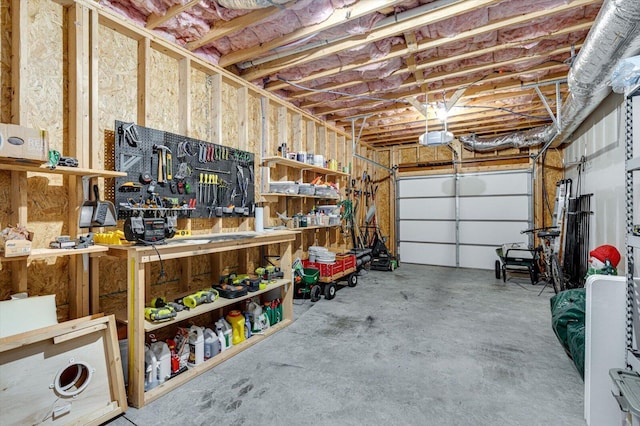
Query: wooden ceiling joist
x=401, y=50
x=410, y=24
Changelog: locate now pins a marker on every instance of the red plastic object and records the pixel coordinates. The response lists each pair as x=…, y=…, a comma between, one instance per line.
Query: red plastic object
x=342, y=263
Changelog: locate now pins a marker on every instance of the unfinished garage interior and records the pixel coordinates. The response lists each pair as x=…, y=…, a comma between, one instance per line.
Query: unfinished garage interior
x=321, y=212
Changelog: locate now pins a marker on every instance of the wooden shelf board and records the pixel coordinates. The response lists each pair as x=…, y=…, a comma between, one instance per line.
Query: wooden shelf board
x=202, y=244
x=306, y=228
x=278, y=194
x=42, y=253
x=220, y=303
x=267, y=161
x=24, y=166
x=183, y=378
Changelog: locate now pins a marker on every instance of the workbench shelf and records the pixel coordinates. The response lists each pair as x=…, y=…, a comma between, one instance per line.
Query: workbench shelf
x=281, y=161
x=219, y=303
x=218, y=359
x=137, y=258
x=279, y=194
x=44, y=253
x=20, y=166
x=79, y=281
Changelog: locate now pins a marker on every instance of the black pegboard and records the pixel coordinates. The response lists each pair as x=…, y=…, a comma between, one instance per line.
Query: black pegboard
x=218, y=179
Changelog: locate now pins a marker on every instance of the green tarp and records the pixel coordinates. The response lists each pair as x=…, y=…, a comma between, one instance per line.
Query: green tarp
x=567, y=321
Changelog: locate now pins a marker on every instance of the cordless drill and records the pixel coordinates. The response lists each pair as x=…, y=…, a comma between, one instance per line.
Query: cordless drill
x=202, y=296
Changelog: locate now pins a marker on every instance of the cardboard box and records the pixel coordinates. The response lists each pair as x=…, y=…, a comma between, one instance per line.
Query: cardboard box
x=24, y=143
x=14, y=248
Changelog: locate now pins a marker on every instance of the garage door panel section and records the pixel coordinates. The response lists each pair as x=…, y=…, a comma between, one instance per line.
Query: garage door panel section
x=493, y=183
x=427, y=208
x=428, y=231
x=492, y=208
x=478, y=257
x=428, y=254
x=500, y=207
x=431, y=186
x=492, y=233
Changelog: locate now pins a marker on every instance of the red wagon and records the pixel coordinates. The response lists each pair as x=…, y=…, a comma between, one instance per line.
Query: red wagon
x=343, y=269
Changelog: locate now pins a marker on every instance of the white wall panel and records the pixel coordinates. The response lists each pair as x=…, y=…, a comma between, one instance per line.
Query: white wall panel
x=601, y=141
x=428, y=254
x=429, y=231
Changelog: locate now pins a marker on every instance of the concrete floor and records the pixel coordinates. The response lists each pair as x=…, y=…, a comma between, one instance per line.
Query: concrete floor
x=417, y=346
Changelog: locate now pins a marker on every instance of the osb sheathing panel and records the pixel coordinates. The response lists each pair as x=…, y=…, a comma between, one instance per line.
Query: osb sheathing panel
x=201, y=96
x=255, y=125
x=407, y=155
x=5, y=62
x=466, y=154
x=5, y=211
x=553, y=172
x=274, y=131
x=43, y=107
x=229, y=115
x=112, y=284
x=254, y=144
x=163, y=75
x=44, y=101
x=117, y=83
x=292, y=145
x=424, y=153
x=384, y=203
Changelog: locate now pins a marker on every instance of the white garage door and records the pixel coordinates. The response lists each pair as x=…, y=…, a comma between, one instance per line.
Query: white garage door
x=442, y=226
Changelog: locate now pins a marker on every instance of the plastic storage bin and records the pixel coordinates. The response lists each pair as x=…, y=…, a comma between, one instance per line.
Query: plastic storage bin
x=284, y=187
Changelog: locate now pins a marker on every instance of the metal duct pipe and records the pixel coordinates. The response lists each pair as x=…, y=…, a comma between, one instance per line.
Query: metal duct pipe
x=251, y=4
x=615, y=35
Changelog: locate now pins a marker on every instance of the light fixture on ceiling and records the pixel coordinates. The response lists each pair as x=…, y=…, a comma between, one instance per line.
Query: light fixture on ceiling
x=435, y=138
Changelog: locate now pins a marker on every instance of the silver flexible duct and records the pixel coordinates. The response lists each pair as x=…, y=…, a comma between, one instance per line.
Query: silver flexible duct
x=615, y=35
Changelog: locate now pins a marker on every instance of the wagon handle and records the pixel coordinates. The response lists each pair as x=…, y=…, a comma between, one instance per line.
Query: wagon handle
x=546, y=228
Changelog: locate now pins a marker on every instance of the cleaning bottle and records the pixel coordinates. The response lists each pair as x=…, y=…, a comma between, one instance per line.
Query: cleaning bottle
x=150, y=369
x=269, y=311
x=221, y=341
x=247, y=326
x=196, y=346
x=226, y=329
x=163, y=357
x=211, y=344
x=278, y=314
x=236, y=320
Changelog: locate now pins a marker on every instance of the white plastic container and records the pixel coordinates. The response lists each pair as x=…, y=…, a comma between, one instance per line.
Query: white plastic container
x=124, y=358
x=211, y=344
x=163, y=356
x=196, y=346
x=223, y=326
x=221, y=340
x=150, y=369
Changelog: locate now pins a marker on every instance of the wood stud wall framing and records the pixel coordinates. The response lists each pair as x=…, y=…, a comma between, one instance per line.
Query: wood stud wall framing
x=91, y=32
